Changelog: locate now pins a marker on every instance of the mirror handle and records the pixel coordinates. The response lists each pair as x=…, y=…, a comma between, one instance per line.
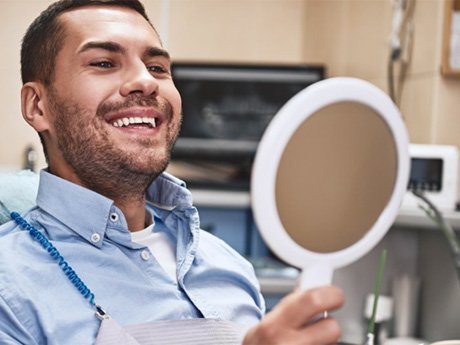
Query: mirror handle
x=315, y=275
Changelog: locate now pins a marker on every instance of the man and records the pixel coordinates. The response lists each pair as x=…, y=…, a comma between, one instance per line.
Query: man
x=97, y=87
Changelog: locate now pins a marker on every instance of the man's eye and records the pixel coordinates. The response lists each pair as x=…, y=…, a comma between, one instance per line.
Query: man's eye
x=102, y=64
x=157, y=69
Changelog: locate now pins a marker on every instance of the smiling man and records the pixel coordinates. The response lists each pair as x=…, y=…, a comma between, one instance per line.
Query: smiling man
x=108, y=112
x=110, y=227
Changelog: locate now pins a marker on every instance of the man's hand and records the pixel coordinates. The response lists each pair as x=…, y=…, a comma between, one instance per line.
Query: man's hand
x=291, y=322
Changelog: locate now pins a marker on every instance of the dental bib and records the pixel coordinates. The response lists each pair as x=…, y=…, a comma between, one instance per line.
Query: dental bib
x=171, y=332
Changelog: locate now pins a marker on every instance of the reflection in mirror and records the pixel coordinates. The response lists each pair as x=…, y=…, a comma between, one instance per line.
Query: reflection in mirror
x=326, y=194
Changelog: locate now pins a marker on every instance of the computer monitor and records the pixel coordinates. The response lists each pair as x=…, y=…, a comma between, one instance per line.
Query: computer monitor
x=226, y=109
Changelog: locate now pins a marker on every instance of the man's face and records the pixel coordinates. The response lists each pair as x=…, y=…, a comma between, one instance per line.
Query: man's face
x=113, y=107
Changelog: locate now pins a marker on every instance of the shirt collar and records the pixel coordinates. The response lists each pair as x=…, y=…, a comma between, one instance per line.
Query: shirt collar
x=84, y=211
x=88, y=213
x=168, y=192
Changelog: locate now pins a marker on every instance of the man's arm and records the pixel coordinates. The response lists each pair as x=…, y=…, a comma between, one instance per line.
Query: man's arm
x=290, y=322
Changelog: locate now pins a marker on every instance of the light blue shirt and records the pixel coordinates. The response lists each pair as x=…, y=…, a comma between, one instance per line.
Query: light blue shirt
x=39, y=305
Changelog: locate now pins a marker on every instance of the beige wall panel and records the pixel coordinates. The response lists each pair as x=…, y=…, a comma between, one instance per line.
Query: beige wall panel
x=448, y=112
x=420, y=89
x=368, y=43
x=351, y=37
x=417, y=108
x=237, y=30
x=154, y=10
x=325, y=38
x=15, y=134
x=427, y=37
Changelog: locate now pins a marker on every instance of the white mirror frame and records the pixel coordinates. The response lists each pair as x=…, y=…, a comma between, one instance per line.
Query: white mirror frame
x=318, y=267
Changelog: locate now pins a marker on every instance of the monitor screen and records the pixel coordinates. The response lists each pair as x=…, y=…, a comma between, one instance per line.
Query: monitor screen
x=226, y=109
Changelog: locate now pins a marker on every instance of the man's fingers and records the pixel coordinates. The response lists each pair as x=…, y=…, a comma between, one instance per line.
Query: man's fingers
x=292, y=321
x=301, y=307
x=324, y=331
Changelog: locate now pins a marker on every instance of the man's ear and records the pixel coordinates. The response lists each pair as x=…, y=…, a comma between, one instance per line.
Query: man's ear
x=32, y=106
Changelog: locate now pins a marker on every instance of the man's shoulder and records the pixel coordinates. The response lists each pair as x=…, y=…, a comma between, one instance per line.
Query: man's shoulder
x=221, y=251
x=7, y=230
x=22, y=261
x=15, y=244
x=11, y=239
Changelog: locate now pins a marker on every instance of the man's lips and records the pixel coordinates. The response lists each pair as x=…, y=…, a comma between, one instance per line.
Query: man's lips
x=135, y=117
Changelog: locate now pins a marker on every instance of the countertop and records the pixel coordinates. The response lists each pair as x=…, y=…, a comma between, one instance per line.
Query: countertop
x=409, y=217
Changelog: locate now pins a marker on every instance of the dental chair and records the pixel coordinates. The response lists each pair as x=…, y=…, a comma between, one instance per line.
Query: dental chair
x=18, y=191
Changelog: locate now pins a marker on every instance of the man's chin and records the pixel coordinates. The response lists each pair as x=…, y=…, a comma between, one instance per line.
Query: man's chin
x=148, y=166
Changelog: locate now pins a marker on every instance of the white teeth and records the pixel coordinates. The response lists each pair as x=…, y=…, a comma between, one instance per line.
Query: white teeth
x=126, y=121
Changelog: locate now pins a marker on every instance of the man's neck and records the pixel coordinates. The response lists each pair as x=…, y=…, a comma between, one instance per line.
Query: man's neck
x=131, y=202
x=135, y=213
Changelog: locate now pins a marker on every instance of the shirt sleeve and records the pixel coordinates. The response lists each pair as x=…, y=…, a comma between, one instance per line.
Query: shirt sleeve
x=12, y=331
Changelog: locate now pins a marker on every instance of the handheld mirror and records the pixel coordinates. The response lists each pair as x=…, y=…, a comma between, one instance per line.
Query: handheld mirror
x=329, y=176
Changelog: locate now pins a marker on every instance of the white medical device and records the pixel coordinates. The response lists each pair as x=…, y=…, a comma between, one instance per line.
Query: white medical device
x=434, y=170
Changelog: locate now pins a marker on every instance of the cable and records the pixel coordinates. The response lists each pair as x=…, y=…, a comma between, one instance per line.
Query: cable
x=54, y=253
x=401, y=45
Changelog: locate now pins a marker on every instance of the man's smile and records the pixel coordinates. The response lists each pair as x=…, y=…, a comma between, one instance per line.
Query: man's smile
x=136, y=118
x=129, y=121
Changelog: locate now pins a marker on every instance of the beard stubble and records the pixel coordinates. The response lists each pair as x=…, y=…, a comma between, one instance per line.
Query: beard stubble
x=98, y=161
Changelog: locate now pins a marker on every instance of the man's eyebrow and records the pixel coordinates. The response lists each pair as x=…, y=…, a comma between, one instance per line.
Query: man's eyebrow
x=105, y=45
x=114, y=47
x=156, y=51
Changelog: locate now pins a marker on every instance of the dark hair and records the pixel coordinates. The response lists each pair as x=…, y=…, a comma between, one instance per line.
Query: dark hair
x=44, y=37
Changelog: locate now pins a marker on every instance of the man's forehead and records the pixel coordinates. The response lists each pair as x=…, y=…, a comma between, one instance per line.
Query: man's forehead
x=101, y=11
x=102, y=21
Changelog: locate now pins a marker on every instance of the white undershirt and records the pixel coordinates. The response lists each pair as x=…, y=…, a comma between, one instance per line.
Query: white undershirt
x=160, y=246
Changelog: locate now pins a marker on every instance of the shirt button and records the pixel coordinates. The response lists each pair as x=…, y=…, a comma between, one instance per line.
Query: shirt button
x=145, y=255
x=95, y=238
x=113, y=217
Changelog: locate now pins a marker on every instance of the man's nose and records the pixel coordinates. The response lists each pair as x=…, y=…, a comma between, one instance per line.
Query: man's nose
x=139, y=80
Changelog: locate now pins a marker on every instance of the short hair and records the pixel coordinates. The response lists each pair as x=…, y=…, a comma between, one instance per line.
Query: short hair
x=44, y=38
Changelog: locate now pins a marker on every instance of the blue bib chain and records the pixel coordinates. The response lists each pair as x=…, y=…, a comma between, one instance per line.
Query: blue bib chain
x=66, y=268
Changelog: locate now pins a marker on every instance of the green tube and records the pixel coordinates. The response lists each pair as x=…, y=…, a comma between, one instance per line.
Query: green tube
x=378, y=283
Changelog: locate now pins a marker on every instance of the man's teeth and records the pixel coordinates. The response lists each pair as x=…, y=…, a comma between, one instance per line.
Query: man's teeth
x=126, y=121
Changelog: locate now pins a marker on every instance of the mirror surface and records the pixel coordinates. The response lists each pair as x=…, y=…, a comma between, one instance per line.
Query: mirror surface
x=336, y=175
